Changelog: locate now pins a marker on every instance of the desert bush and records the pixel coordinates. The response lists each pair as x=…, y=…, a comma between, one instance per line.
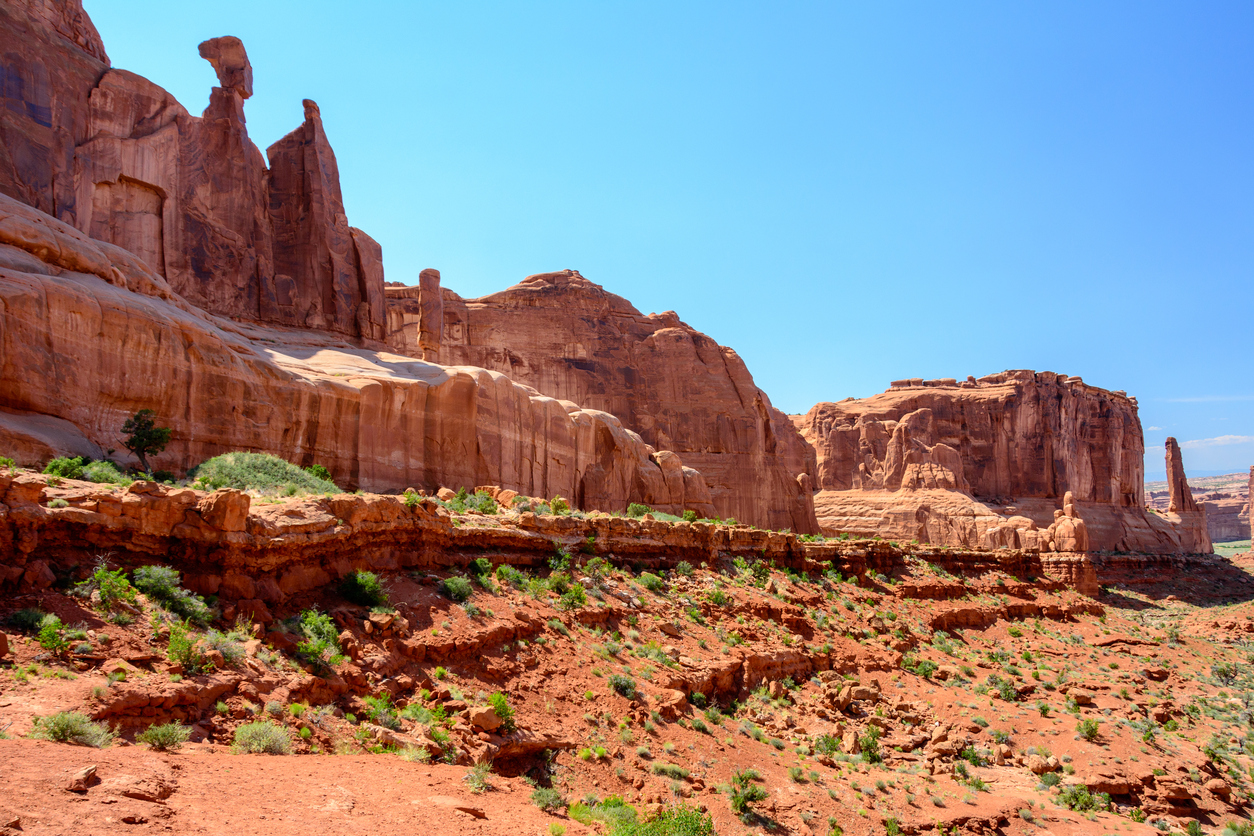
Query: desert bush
x=27, y=620
x=72, y=727
x=319, y=472
x=381, y=711
x=652, y=582
x=507, y=574
x=622, y=684
x=1077, y=797
x=670, y=770
x=184, y=648
x=690, y=516
x=52, y=636
x=684, y=569
x=321, y=644
x=229, y=645
x=500, y=704
x=681, y=820
x=573, y=598
x=262, y=738
x=65, y=467
x=258, y=472
x=744, y=793
x=1089, y=729
x=547, y=799
x=364, y=588
x=636, y=509
x=112, y=585
x=456, y=588
x=165, y=736
x=161, y=585
x=105, y=472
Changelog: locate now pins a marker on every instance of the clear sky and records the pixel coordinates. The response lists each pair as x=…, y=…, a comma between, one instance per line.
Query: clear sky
x=845, y=193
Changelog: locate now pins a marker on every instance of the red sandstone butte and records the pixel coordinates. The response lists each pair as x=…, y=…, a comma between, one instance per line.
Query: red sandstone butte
x=571, y=339
x=988, y=462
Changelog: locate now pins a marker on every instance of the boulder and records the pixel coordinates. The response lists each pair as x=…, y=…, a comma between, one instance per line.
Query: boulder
x=484, y=717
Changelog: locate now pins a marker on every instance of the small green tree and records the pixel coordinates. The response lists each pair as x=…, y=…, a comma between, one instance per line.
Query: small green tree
x=144, y=437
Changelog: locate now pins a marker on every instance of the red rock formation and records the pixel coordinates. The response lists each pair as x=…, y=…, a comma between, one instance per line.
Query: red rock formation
x=415, y=315
x=1181, y=507
x=1249, y=504
x=115, y=155
x=679, y=389
x=1225, y=498
x=51, y=59
x=89, y=335
x=318, y=281
x=974, y=463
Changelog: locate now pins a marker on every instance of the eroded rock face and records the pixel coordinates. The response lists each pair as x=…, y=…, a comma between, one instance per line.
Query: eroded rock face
x=1182, y=508
x=116, y=156
x=51, y=59
x=973, y=463
x=89, y=335
x=570, y=339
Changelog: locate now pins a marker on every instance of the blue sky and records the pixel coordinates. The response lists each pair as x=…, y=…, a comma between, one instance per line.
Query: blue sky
x=844, y=193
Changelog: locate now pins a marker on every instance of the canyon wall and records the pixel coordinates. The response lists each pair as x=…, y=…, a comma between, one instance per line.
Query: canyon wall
x=989, y=462
x=130, y=231
x=115, y=155
x=89, y=334
x=570, y=339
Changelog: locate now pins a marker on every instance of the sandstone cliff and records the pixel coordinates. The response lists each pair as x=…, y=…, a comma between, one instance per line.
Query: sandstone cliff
x=1182, y=508
x=988, y=462
x=116, y=156
x=570, y=339
x=187, y=210
x=89, y=334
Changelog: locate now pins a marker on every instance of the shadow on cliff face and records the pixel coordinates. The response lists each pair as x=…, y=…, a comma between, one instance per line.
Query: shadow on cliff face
x=1199, y=580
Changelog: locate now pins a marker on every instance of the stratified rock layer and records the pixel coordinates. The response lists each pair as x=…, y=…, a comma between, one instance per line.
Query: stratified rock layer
x=987, y=463
x=89, y=335
x=570, y=339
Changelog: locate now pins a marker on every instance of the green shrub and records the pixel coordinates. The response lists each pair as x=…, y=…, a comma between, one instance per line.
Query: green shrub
x=745, y=793
x=321, y=644
x=672, y=821
x=262, y=738
x=52, y=636
x=1051, y=779
x=684, y=569
x=624, y=685
x=869, y=744
x=106, y=472
x=827, y=744
x=670, y=770
x=161, y=585
x=500, y=704
x=7, y=464
x=364, y=588
x=72, y=727
x=320, y=473
x=228, y=644
x=258, y=472
x=509, y=575
x=1089, y=729
x=652, y=582
x=1078, y=798
x=456, y=588
x=381, y=712
x=573, y=598
x=184, y=649
x=27, y=620
x=690, y=516
x=560, y=506
x=66, y=468
x=480, y=567
x=166, y=736
x=112, y=585
x=635, y=509
x=547, y=799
